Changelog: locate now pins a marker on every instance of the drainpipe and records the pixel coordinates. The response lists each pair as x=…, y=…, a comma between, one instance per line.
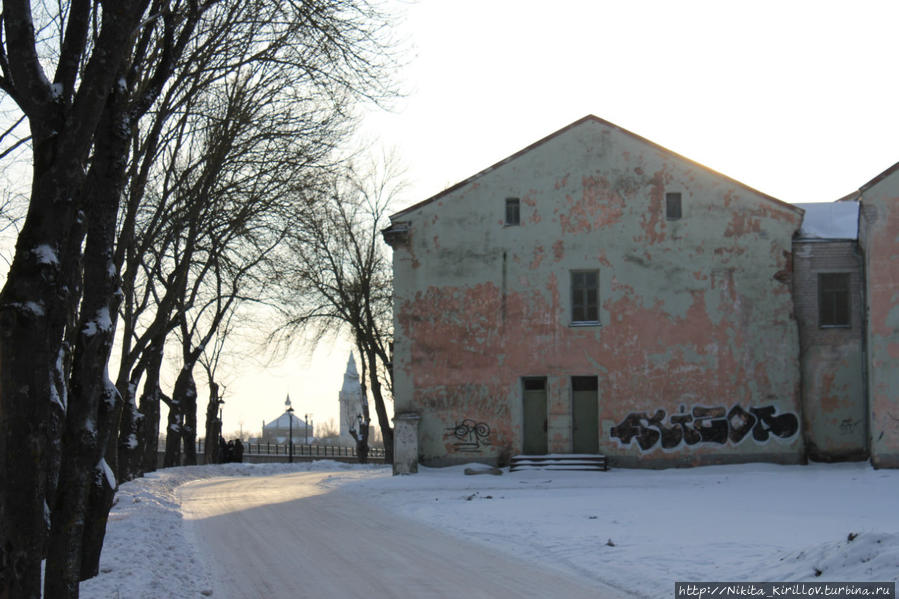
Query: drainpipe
x=804, y=424
x=863, y=298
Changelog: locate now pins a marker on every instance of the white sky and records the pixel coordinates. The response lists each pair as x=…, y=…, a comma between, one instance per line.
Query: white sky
x=796, y=99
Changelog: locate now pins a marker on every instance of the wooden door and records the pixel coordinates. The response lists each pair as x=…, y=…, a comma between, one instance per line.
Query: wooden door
x=585, y=414
x=534, y=409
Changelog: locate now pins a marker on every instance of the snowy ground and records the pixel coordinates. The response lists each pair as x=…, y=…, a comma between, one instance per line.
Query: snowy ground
x=638, y=530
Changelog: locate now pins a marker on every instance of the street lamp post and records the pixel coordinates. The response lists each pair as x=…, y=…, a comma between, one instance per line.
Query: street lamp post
x=290, y=428
x=306, y=428
x=218, y=437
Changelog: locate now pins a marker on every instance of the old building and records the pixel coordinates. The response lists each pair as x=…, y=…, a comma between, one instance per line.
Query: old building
x=596, y=292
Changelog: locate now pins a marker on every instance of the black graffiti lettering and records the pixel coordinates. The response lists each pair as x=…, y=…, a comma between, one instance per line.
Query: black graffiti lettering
x=685, y=421
x=470, y=435
x=711, y=423
x=637, y=426
x=704, y=425
x=670, y=436
x=783, y=425
x=740, y=422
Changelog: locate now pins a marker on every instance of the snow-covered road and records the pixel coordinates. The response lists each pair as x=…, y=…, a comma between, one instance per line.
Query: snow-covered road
x=290, y=536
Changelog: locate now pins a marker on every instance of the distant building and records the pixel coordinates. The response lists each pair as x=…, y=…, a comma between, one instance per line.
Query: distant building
x=278, y=430
x=350, y=398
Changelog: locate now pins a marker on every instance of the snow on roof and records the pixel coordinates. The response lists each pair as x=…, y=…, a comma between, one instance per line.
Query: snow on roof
x=283, y=423
x=829, y=220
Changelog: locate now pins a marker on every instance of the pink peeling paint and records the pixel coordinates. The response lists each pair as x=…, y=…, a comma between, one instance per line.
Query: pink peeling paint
x=558, y=250
x=597, y=206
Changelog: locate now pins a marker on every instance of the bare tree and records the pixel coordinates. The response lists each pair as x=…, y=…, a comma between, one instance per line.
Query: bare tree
x=210, y=359
x=337, y=274
x=81, y=109
x=113, y=62
x=283, y=106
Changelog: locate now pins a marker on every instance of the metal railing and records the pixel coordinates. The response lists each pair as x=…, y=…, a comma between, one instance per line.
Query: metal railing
x=315, y=451
x=302, y=450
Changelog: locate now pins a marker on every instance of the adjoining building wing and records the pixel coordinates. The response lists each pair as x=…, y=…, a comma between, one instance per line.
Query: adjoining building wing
x=878, y=236
x=828, y=290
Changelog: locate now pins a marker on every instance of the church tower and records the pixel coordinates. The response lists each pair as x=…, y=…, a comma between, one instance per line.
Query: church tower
x=350, y=401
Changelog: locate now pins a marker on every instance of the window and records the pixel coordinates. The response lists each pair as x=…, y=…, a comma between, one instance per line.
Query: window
x=584, y=383
x=833, y=299
x=672, y=205
x=513, y=212
x=534, y=383
x=585, y=297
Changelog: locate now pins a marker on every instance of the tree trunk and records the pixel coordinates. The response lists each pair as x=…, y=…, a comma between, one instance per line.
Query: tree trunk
x=36, y=301
x=362, y=441
x=102, y=491
x=148, y=431
x=87, y=484
x=361, y=436
x=34, y=307
x=380, y=408
x=185, y=396
x=213, y=426
x=130, y=454
x=173, y=436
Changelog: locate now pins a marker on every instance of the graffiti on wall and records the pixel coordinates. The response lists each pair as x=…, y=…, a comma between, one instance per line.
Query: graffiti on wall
x=704, y=425
x=848, y=426
x=470, y=435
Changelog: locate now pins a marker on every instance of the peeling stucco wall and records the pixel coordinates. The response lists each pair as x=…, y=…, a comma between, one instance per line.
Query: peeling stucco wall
x=696, y=350
x=833, y=386
x=879, y=233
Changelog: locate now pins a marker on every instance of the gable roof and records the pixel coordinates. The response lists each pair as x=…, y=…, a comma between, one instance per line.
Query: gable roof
x=580, y=121
x=879, y=178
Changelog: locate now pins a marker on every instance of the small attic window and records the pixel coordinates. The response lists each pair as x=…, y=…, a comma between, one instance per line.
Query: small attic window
x=673, y=205
x=513, y=212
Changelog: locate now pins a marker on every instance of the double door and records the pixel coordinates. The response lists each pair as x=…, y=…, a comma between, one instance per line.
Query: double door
x=584, y=415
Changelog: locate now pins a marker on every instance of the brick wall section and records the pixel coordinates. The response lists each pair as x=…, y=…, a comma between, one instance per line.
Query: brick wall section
x=833, y=392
